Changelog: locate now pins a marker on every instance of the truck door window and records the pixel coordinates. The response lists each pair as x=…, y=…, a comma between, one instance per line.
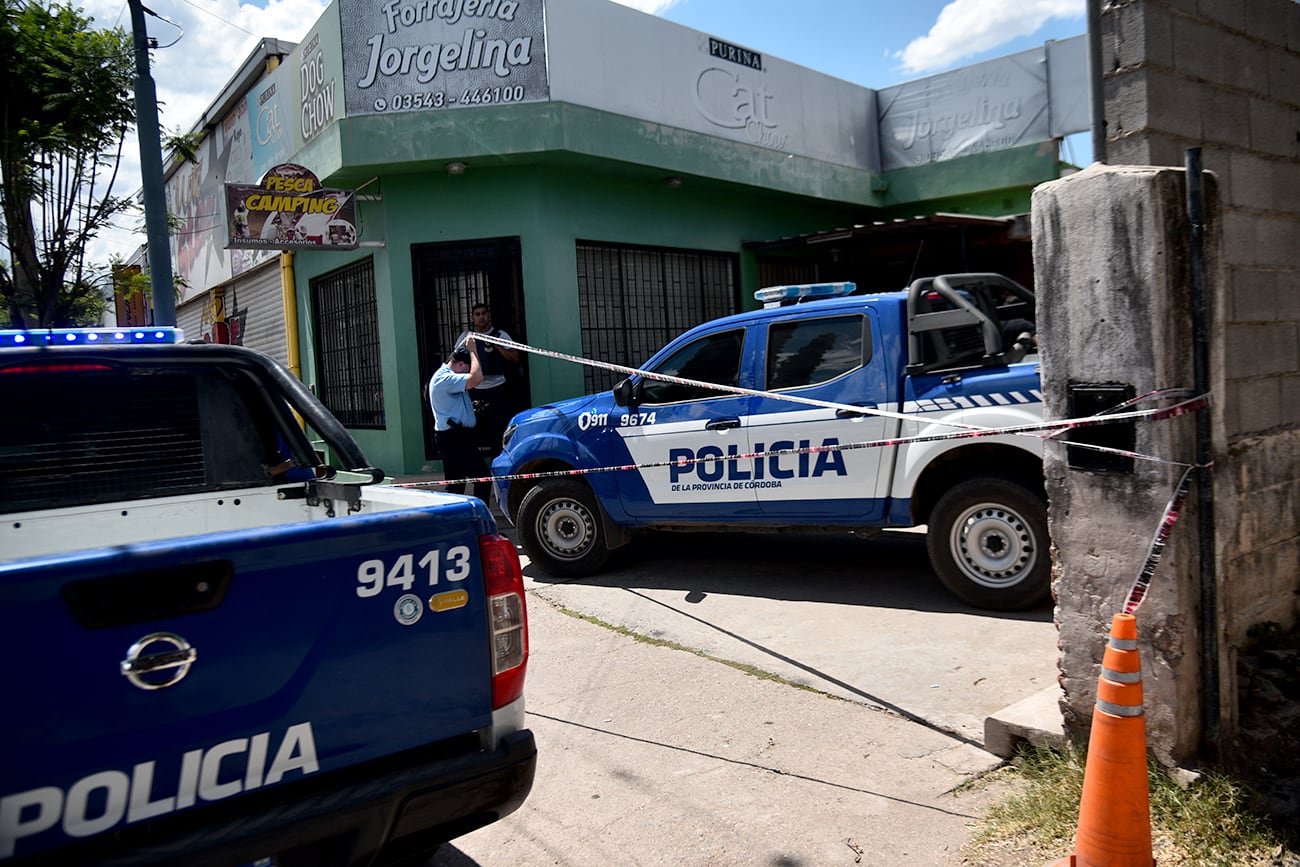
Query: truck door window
x=813, y=351
x=715, y=358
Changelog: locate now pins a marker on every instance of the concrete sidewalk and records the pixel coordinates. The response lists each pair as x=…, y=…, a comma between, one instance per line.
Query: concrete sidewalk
x=653, y=755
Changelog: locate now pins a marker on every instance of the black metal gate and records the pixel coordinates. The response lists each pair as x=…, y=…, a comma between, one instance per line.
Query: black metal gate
x=449, y=280
x=349, y=372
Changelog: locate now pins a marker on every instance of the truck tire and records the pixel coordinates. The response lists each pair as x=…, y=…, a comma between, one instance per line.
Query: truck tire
x=988, y=544
x=561, y=530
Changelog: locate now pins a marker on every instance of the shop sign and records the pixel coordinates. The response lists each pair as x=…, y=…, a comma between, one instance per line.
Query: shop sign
x=290, y=210
x=991, y=106
x=428, y=55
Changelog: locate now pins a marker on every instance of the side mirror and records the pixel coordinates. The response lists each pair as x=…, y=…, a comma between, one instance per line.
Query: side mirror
x=624, y=392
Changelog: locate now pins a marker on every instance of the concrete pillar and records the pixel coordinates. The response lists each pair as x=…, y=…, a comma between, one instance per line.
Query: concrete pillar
x=1111, y=273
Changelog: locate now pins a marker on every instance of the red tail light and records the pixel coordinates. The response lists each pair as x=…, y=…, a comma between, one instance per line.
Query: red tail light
x=507, y=617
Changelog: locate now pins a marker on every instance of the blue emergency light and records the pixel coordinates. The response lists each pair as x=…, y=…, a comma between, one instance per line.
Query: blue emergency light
x=93, y=336
x=803, y=292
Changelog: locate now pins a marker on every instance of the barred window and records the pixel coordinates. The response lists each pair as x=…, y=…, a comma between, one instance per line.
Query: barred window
x=349, y=369
x=633, y=300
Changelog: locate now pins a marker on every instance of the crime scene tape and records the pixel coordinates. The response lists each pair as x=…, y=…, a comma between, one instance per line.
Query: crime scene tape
x=1042, y=430
x=1168, y=412
x=1031, y=430
x=1188, y=402
x=1167, y=521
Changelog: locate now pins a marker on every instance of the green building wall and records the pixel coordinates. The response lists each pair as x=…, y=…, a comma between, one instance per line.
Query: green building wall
x=549, y=208
x=552, y=174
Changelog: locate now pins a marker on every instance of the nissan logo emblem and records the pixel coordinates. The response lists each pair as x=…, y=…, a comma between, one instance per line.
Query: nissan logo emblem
x=160, y=669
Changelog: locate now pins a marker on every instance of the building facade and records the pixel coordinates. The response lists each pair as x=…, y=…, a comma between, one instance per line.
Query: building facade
x=604, y=179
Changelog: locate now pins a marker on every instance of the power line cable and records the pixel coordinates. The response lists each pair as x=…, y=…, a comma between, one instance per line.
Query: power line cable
x=165, y=20
x=218, y=17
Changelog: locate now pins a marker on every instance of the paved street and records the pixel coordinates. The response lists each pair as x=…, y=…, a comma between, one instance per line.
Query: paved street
x=651, y=754
x=862, y=619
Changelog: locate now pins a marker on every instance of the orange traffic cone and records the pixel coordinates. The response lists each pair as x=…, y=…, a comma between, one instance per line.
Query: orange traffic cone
x=1115, y=812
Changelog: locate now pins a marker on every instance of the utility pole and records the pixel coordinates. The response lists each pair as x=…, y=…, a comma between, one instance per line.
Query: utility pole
x=151, y=171
x=1096, y=89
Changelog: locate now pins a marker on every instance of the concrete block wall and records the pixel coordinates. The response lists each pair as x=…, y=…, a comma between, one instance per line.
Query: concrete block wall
x=1224, y=76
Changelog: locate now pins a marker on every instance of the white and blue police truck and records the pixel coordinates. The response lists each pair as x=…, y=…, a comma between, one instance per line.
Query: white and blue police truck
x=837, y=411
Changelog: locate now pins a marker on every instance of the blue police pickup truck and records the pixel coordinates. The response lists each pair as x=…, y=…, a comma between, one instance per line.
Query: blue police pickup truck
x=219, y=649
x=816, y=373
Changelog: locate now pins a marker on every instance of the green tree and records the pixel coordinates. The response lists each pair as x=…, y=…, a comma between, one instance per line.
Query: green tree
x=65, y=104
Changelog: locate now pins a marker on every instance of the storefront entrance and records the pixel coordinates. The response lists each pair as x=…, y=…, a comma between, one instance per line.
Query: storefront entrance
x=449, y=280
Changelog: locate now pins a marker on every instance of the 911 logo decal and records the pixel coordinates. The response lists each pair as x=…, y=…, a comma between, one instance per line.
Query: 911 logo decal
x=589, y=420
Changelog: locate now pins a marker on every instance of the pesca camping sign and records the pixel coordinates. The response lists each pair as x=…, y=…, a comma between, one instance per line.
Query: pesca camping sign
x=290, y=211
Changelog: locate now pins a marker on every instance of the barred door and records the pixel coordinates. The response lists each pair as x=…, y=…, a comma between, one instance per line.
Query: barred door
x=449, y=280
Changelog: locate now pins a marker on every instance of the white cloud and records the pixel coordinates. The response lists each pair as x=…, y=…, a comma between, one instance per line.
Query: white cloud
x=969, y=27
x=654, y=7
x=218, y=35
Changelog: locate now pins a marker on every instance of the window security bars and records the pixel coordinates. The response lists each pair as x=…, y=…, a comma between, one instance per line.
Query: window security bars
x=349, y=368
x=633, y=300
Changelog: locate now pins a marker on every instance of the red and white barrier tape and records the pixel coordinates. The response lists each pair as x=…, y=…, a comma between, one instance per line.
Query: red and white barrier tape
x=1043, y=430
x=1154, y=414
x=1189, y=402
x=1112, y=415
x=1167, y=521
x=726, y=389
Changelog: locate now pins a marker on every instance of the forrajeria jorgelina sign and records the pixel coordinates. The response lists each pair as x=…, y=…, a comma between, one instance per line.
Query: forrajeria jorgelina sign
x=289, y=210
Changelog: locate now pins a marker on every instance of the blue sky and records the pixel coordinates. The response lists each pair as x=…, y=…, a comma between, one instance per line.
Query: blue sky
x=874, y=43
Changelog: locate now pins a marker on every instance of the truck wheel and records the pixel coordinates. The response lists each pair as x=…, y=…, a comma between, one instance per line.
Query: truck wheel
x=560, y=528
x=988, y=544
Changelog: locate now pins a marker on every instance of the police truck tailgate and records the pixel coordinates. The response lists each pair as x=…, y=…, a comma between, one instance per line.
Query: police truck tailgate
x=315, y=646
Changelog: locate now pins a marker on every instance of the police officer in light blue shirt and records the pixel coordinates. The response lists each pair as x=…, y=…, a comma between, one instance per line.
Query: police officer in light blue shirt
x=453, y=420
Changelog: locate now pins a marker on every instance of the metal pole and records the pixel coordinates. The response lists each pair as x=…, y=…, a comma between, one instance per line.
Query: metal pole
x=1096, y=94
x=151, y=172
x=1209, y=619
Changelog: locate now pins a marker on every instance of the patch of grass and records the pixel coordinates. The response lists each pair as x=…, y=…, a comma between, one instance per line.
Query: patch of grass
x=1041, y=806
x=1213, y=821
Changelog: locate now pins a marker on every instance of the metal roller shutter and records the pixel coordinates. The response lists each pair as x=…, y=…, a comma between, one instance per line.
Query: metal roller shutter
x=258, y=299
x=253, y=311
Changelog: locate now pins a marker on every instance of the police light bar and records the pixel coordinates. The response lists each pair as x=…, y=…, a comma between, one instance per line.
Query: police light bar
x=93, y=336
x=803, y=292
